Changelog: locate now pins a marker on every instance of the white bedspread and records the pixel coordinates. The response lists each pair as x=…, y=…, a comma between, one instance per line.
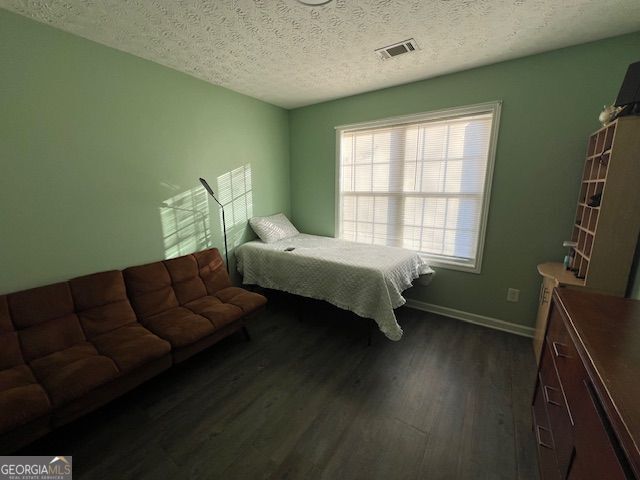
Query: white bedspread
x=365, y=279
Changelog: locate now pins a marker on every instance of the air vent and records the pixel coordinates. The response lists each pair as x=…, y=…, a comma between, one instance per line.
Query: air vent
x=406, y=46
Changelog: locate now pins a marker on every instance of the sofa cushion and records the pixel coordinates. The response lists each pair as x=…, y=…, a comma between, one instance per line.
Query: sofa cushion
x=101, y=302
x=247, y=301
x=5, y=320
x=45, y=320
x=50, y=336
x=21, y=398
x=37, y=305
x=212, y=270
x=149, y=289
x=185, y=278
x=218, y=312
x=97, y=289
x=179, y=326
x=10, y=354
x=70, y=373
x=131, y=346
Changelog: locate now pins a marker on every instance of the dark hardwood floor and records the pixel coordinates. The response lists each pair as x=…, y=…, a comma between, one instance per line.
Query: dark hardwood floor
x=309, y=399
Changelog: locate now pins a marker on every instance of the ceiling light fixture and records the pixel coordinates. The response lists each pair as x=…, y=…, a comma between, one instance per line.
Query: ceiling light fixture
x=314, y=3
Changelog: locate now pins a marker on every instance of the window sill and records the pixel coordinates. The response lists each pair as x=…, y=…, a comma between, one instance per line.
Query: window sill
x=450, y=265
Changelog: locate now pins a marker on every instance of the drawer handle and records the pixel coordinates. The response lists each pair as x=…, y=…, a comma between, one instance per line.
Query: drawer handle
x=557, y=351
x=545, y=390
x=540, y=442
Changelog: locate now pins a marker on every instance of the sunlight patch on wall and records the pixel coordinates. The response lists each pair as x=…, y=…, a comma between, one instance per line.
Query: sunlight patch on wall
x=235, y=193
x=185, y=222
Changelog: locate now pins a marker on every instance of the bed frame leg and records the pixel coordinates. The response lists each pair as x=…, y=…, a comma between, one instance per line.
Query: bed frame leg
x=245, y=332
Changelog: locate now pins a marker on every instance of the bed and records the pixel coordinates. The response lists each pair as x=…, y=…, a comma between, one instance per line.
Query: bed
x=365, y=279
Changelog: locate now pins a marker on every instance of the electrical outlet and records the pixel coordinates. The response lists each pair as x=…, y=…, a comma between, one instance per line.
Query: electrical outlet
x=513, y=295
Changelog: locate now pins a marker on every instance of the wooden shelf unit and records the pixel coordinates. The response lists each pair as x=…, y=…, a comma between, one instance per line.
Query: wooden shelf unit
x=606, y=234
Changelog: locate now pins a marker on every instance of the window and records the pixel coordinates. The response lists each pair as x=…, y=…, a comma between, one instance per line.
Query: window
x=420, y=182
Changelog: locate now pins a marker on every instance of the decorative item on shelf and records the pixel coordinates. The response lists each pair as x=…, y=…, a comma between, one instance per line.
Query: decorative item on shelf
x=609, y=114
x=604, y=159
x=224, y=223
x=568, y=259
x=594, y=201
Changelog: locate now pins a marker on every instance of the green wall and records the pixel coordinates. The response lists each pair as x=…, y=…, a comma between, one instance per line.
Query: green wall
x=93, y=141
x=550, y=105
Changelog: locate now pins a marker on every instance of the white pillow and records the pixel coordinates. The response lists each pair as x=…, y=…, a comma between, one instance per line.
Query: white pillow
x=273, y=228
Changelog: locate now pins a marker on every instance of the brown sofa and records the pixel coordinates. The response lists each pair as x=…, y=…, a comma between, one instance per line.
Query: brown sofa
x=70, y=347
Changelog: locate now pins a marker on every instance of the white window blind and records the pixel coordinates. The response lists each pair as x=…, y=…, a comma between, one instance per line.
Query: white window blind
x=420, y=184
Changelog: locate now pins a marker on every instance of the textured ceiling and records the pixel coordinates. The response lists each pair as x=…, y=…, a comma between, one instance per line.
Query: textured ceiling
x=290, y=55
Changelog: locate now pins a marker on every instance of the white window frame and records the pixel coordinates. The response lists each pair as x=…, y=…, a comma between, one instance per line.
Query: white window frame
x=450, y=113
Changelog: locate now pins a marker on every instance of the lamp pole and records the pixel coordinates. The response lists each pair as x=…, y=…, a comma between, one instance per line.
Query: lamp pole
x=224, y=223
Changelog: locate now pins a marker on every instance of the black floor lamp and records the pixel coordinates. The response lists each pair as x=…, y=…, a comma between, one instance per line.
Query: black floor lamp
x=224, y=223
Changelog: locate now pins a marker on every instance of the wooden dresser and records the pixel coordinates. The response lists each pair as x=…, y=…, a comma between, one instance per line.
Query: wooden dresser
x=586, y=405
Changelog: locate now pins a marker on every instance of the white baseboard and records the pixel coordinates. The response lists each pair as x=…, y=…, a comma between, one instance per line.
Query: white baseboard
x=471, y=318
